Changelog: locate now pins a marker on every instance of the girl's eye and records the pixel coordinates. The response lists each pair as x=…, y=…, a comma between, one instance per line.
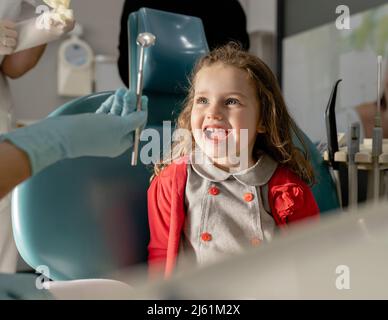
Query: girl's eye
x=201, y=100
x=232, y=101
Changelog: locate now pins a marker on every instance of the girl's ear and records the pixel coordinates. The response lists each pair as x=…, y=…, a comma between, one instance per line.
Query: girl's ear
x=261, y=129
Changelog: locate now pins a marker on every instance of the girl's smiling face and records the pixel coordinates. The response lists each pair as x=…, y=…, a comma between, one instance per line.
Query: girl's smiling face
x=225, y=101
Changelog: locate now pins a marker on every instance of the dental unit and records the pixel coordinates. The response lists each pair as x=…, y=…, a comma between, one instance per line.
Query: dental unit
x=370, y=155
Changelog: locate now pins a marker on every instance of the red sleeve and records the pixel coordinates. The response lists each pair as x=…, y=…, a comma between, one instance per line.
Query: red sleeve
x=290, y=198
x=159, y=208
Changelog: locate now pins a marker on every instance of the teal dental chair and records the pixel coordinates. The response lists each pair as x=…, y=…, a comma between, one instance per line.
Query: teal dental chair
x=87, y=217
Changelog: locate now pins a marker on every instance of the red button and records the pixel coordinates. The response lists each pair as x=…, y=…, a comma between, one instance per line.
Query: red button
x=248, y=197
x=206, y=236
x=214, y=191
x=255, y=242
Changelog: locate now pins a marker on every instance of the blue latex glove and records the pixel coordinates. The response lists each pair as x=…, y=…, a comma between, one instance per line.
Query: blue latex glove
x=122, y=103
x=73, y=136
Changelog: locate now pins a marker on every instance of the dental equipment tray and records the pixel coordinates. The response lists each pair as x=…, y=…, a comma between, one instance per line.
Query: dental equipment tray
x=363, y=158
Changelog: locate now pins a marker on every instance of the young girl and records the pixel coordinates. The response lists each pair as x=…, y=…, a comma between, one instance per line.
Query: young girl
x=217, y=207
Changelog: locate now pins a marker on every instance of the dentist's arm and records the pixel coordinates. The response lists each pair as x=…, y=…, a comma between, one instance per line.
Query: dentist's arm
x=17, y=64
x=29, y=150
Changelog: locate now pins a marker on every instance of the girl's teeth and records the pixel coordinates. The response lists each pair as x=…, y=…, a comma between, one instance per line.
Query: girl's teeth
x=215, y=133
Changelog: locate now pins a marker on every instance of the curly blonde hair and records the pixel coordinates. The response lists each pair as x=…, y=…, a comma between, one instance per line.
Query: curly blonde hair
x=278, y=125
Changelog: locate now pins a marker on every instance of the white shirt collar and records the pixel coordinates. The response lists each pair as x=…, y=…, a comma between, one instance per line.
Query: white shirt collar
x=257, y=175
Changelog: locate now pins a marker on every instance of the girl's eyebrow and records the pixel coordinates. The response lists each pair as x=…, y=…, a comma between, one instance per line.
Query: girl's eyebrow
x=226, y=93
x=237, y=94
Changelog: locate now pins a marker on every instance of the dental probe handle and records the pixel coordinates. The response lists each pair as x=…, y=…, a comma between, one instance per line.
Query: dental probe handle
x=139, y=90
x=144, y=40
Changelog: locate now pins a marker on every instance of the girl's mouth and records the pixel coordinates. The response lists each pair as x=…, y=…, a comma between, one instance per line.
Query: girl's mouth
x=216, y=134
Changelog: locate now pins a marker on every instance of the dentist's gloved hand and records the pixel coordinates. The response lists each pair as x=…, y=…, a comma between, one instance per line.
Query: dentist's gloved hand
x=122, y=103
x=73, y=136
x=8, y=37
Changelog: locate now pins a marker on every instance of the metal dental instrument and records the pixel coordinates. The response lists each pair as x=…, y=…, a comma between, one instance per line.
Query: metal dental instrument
x=377, y=142
x=353, y=148
x=332, y=139
x=144, y=40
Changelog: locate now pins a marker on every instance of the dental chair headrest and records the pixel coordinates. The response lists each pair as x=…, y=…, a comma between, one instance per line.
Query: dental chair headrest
x=180, y=41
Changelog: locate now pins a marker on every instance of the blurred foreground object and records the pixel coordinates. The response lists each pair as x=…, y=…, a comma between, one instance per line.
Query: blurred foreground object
x=345, y=257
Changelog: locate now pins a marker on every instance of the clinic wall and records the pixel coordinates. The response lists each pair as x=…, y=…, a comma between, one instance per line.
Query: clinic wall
x=35, y=94
x=302, y=15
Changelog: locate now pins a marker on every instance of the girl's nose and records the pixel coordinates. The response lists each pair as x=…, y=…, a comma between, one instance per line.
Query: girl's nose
x=214, y=116
x=214, y=112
